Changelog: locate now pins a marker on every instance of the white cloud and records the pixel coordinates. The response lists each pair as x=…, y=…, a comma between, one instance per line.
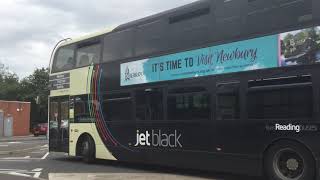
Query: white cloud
x=30, y=28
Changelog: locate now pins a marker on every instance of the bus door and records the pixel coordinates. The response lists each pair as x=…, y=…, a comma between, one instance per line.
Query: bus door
x=59, y=124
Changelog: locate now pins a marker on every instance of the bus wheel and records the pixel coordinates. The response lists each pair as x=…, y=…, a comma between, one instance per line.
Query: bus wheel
x=88, y=150
x=289, y=161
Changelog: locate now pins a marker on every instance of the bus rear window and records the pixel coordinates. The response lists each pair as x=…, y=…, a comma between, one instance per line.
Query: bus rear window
x=64, y=59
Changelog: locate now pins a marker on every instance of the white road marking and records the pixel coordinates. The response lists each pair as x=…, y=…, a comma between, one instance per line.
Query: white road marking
x=19, y=174
x=37, y=169
x=15, y=142
x=24, y=173
x=26, y=157
x=14, y=160
x=10, y=170
x=20, y=150
x=37, y=172
x=45, y=145
x=45, y=156
x=37, y=152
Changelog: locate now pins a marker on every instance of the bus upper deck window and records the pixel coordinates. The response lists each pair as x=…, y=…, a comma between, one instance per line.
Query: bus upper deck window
x=64, y=59
x=88, y=55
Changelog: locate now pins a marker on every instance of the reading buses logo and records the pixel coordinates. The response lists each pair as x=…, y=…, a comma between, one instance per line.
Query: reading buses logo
x=129, y=76
x=291, y=127
x=158, y=139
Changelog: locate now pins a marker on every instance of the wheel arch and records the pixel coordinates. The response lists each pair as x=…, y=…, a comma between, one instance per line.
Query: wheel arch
x=81, y=138
x=282, y=141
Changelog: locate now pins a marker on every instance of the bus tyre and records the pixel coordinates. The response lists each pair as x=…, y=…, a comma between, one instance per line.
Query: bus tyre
x=88, y=150
x=289, y=161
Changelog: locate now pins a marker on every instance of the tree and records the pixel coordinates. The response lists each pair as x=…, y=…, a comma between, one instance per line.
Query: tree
x=312, y=33
x=34, y=89
x=35, y=86
x=9, y=84
x=300, y=37
x=288, y=44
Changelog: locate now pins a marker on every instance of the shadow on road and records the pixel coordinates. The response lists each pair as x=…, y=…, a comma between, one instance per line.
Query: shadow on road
x=146, y=168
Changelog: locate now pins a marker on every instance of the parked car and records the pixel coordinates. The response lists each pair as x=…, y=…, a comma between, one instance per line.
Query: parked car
x=40, y=129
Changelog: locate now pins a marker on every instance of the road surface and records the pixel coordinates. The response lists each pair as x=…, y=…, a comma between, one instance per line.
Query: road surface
x=30, y=159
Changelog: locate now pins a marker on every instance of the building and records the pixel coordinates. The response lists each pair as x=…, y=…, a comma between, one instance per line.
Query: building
x=14, y=118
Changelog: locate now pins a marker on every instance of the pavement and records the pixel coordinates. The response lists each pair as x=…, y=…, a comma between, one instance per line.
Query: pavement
x=30, y=159
x=18, y=158
x=20, y=144
x=13, y=177
x=122, y=176
x=22, y=138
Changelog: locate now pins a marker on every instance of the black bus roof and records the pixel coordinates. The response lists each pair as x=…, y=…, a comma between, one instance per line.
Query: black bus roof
x=166, y=14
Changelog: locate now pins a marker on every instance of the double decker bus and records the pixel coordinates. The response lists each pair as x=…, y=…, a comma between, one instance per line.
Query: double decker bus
x=224, y=85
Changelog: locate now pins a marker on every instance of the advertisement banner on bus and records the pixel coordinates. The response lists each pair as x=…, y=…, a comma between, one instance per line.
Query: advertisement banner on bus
x=300, y=47
x=290, y=48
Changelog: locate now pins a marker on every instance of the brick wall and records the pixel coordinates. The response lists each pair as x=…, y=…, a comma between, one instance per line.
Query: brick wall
x=20, y=111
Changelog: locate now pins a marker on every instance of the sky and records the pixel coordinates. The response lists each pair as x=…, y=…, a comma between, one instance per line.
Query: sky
x=29, y=29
